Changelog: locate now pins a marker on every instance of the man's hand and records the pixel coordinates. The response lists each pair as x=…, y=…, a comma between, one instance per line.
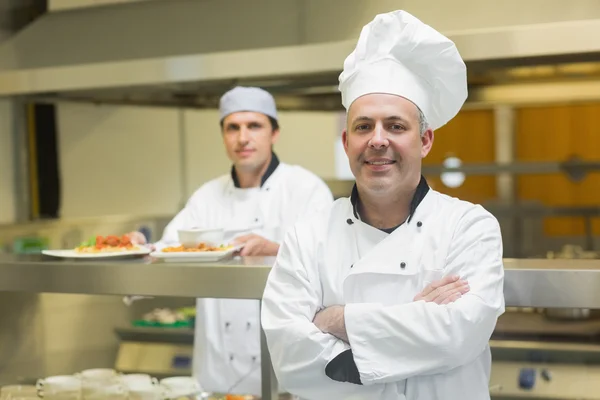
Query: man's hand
x=139, y=239
x=331, y=320
x=444, y=291
x=255, y=245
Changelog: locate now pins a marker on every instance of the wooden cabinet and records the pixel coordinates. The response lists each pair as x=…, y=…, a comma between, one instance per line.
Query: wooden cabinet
x=470, y=137
x=555, y=134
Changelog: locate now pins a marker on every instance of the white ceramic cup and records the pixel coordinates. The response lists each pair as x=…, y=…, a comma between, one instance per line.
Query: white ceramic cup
x=98, y=374
x=59, y=387
x=181, y=386
x=139, y=380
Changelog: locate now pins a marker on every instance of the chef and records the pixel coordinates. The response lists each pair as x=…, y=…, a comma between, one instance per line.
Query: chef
x=347, y=309
x=256, y=203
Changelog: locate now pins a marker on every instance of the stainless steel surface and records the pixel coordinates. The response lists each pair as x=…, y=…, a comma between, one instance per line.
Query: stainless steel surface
x=528, y=283
x=568, y=382
x=175, y=68
x=552, y=283
x=542, y=283
x=236, y=279
x=240, y=278
x=154, y=358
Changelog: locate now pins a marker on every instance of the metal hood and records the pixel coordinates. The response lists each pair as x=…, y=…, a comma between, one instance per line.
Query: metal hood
x=161, y=53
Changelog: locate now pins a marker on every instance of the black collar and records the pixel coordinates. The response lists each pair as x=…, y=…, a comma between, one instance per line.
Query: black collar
x=270, y=169
x=422, y=189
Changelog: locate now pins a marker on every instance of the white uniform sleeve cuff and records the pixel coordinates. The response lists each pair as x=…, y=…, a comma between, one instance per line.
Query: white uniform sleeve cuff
x=359, y=336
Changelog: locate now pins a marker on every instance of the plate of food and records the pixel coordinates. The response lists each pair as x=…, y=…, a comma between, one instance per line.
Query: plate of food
x=201, y=253
x=102, y=247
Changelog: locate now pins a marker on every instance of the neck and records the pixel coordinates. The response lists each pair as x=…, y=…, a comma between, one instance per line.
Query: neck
x=385, y=211
x=251, y=178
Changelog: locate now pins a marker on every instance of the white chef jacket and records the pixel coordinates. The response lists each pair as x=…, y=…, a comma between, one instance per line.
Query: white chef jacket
x=398, y=349
x=227, y=337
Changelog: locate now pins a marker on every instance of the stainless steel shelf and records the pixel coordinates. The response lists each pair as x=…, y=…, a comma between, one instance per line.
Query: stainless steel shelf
x=156, y=335
x=555, y=283
x=528, y=283
x=240, y=279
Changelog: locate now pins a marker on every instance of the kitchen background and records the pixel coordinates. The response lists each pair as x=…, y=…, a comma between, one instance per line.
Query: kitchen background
x=128, y=159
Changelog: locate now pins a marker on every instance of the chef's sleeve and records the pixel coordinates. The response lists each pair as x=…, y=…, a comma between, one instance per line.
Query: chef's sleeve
x=393, y=343
x=299, y=350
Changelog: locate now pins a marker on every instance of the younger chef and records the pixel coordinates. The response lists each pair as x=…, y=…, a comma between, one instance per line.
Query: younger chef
x=262, y=197
x=346, y=310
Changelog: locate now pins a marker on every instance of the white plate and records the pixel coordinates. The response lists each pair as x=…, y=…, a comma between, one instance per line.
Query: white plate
x=120, y=254
x=205, y=256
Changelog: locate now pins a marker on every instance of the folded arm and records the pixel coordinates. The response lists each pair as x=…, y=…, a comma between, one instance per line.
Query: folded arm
x=397, y=342
x=299, y=350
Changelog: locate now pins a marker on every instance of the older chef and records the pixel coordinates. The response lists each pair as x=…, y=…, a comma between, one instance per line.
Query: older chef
x=346, y=309
x=256, y=203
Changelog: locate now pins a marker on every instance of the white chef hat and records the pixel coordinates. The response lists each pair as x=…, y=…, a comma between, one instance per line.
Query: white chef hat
x=398, y=54
x=247, y=99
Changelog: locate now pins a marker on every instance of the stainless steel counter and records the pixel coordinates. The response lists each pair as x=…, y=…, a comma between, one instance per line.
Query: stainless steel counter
x=528, y=283
x=238, y=278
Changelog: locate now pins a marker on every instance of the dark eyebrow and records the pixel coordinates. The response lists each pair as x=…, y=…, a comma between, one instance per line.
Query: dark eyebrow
x=390, y=118
x=361, y=119
x=396, y=118
x=232, y=125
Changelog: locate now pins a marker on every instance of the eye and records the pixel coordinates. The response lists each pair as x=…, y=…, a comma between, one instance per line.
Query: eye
x=361, y=128
x=254, y=125
x=397, y=127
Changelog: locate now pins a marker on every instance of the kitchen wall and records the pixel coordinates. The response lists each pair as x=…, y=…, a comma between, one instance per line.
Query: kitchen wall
x=7, y=184
x=127, y=160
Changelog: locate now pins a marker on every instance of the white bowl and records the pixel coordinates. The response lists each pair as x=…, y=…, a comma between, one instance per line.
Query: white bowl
x=193, y=237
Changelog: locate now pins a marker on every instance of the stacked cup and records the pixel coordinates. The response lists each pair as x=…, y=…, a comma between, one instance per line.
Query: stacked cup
x=181, y=387
x=59, y=387
x=102, y=384
x=142, y=387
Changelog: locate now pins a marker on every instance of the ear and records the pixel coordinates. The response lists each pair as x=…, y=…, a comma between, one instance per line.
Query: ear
x=426, y=142
x=274, y=136
x=345, y=140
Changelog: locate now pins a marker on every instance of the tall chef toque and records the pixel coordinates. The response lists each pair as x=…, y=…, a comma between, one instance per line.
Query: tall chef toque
x=398, y=54
x=247, y=99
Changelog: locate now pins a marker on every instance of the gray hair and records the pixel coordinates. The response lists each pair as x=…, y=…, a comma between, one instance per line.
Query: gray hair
x=423, y=125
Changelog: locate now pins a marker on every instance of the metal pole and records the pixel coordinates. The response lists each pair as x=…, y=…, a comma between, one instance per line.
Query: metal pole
x=270, y=388
x=183, y=176
x=504, y=136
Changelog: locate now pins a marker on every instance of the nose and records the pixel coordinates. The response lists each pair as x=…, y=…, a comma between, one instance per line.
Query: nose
x=244, y=135
x=378, y=139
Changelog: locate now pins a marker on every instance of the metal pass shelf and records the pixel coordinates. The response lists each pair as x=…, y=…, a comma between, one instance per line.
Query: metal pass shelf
x=528, y=283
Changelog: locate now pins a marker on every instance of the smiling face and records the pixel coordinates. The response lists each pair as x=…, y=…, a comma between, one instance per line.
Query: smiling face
x=248, y=138
x=384, y=144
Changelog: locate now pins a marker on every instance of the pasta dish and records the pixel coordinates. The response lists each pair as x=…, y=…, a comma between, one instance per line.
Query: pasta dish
x=107, y=244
